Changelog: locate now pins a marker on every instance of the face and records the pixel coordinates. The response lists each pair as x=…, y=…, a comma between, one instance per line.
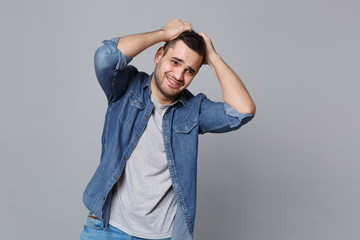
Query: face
x=174, y=72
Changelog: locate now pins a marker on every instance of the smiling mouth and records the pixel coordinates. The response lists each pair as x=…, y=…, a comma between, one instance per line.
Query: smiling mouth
x=173, y=82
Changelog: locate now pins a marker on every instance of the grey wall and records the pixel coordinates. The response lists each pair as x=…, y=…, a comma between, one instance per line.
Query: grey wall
x=291, y=173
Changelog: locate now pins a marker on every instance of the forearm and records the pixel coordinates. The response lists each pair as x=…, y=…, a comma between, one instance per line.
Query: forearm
x=132, y=45
x=233, y=89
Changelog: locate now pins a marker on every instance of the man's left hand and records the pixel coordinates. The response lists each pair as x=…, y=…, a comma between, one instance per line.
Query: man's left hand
x=210, y=50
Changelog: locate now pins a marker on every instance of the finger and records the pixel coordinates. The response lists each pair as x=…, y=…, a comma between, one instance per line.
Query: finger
x=203, y=35
x=187, y=26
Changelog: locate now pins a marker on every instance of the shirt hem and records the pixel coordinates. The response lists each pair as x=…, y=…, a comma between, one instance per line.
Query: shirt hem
x=140, y=235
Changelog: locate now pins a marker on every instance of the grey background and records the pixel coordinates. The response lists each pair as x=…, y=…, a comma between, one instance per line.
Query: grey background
x=291, y=173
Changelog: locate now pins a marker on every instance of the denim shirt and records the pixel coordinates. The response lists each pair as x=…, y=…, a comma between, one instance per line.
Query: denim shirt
x=129, y=108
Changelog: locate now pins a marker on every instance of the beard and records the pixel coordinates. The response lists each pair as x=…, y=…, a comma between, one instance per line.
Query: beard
x=158, y=83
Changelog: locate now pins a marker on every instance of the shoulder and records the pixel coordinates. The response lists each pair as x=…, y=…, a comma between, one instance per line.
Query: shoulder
x=189, y=98
x=191, y=104
x=137, y=84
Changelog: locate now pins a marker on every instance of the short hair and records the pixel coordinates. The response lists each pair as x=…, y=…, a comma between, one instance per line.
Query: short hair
x=191, y=39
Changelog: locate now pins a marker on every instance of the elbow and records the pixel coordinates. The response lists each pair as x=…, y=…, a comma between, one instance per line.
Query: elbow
x=100, y=57
x=250, y=109
x=104, y=60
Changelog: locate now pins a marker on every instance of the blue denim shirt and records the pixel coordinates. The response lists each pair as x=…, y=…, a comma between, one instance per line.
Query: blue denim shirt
x=129, y=108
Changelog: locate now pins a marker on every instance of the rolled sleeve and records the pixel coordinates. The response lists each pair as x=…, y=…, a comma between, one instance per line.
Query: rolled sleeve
x=235, y=118
x=111, y=48
x=112, y=69
x=220, y=117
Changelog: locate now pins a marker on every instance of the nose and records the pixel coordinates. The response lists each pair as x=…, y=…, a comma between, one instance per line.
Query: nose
x=179, y=74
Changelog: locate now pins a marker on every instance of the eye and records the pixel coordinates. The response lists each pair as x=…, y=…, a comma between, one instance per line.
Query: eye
x=174, y=62
x=190, y=72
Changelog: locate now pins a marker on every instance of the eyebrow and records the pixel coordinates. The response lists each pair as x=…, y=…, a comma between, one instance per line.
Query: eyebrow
x=182, y=61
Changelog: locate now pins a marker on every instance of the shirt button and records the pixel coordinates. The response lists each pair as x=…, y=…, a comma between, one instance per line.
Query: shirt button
x=136, y=138
x=133, y=102
x=125, y=157
x=117, y=176
x=103, y=198
x=146, y=118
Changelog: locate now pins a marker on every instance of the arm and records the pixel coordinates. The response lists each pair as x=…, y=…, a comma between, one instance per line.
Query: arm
x=233, y=89
x=111, y=60
x=132, y=45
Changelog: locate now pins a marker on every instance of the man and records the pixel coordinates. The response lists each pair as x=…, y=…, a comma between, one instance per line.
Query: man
x=145, y=185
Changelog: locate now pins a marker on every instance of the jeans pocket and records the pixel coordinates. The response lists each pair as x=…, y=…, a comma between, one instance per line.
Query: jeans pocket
x=93, y=222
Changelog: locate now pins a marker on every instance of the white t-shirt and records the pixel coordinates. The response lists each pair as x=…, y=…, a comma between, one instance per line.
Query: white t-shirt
x=144, y=204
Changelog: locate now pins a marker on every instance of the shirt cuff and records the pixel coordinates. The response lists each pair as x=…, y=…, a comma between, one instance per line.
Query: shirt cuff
x=123, y=60
x=235, y=118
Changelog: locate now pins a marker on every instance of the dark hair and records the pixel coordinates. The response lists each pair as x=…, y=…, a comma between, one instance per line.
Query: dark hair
x=192, y=39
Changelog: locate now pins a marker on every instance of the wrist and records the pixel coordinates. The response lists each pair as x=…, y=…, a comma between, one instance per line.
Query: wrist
x=158, y=36
x=162, y=35
x=165, y=35
x=213, y=58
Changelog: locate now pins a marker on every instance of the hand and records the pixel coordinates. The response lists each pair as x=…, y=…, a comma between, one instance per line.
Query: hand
x=210, y=50
x=174, y=28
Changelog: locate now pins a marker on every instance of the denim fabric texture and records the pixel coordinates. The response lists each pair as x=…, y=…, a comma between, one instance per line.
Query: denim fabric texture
x=93, y=230
x=129, y=107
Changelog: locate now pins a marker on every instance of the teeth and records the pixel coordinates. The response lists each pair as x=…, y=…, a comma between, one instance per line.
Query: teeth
x=173, y=82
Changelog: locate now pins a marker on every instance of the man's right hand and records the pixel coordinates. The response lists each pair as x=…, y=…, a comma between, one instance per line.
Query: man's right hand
x=132, y=45
x=174, y=28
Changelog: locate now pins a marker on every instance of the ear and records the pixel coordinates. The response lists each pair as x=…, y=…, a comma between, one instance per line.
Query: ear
x=158, y=55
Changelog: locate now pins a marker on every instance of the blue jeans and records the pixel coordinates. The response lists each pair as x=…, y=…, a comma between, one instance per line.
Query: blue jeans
x=93, y=231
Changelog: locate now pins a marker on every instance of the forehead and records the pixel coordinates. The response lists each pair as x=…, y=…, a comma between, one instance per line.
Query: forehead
x=182, y=51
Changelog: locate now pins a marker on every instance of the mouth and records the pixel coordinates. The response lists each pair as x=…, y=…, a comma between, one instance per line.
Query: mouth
x=173, y=82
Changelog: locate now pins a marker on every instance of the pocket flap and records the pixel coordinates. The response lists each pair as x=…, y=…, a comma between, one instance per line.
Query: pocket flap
x=186, y=127
x=135, y=102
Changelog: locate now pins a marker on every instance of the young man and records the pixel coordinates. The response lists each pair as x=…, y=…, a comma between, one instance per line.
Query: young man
x=145, y=185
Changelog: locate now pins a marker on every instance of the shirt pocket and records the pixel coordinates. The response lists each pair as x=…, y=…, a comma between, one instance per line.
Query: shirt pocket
x=126, y=109
x=186, y=135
